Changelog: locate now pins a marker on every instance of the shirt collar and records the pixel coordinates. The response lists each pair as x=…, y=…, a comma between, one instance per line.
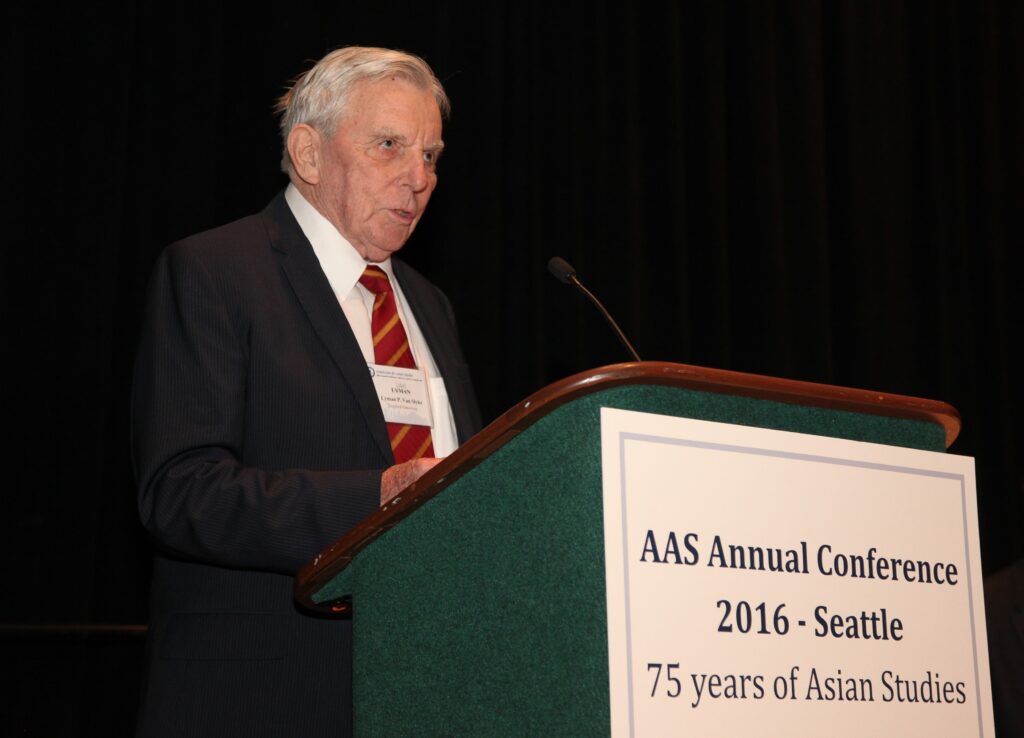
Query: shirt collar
x=338, y=258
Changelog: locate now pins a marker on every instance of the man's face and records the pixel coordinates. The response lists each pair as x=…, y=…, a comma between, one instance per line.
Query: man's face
x=378, y=171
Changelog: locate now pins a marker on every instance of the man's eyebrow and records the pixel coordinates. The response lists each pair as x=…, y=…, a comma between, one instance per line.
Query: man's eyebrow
x=381, y=133
x=388, y=133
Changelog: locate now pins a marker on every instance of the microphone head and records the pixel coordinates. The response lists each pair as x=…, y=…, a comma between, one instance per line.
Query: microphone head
x=561, y=269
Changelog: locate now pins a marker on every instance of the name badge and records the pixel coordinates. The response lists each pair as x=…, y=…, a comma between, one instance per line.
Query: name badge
x=402, y=394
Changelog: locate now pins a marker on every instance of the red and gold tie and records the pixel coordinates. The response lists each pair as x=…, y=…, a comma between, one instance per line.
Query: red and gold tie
x=391, y=347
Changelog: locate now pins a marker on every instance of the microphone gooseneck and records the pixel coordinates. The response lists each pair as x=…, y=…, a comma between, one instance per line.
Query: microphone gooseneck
x=563, y=272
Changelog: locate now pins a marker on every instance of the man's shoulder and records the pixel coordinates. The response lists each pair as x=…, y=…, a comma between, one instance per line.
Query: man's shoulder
x=242, y=245
x=242, y=234
x=236, y=258
x=250, y=225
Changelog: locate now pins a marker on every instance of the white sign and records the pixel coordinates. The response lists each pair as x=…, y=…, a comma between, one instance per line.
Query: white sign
x=770, y=583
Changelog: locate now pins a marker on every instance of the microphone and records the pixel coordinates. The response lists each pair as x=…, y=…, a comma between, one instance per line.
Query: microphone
x=563, y=272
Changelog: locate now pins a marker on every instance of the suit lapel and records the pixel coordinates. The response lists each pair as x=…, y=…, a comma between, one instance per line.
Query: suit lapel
x=314, y=293
x=439, y=334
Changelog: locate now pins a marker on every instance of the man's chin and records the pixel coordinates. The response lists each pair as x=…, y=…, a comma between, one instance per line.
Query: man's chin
x=387, y=241
x=377, y=253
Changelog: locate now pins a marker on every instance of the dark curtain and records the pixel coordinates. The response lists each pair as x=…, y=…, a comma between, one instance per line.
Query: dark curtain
x=827, y=191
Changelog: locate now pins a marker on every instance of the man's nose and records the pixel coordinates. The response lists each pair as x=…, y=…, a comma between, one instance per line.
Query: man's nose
x=418, y=173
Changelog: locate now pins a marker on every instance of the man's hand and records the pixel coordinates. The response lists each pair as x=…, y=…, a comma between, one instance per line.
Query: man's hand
x=400, y=476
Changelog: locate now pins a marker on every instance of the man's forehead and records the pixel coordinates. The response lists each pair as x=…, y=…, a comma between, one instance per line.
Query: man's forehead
x=393, y=107
x=394, y=90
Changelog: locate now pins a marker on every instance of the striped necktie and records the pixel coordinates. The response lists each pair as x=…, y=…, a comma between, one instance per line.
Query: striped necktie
x=391, y=348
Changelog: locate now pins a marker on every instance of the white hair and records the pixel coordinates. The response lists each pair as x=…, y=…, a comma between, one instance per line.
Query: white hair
x=318, y=98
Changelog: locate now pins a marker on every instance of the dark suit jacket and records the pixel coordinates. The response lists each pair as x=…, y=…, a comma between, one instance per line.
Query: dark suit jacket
x=258, y=440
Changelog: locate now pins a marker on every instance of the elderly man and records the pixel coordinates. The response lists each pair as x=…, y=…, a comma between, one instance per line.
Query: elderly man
x=292, y=375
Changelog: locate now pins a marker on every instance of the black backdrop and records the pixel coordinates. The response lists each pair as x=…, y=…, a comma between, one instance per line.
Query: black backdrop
x=817, y=190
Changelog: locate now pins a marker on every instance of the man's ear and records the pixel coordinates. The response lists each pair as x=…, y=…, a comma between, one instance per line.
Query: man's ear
x=304, y=151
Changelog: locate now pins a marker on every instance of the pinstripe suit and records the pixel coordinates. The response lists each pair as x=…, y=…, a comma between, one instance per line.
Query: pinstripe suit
x=258, y=440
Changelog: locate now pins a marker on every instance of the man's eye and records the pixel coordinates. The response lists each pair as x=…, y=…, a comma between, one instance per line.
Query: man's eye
x=388, y=144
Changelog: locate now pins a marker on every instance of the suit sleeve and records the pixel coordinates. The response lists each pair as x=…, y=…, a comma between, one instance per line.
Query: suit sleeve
x=197, y=498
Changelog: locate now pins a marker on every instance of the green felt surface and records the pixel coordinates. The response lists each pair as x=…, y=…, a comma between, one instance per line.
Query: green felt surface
x=483, y=613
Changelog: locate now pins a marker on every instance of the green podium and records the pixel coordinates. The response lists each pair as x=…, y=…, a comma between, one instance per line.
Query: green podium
x=477, y=596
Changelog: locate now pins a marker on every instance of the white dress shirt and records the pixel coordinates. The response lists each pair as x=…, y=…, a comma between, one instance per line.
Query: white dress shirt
x=344, y=266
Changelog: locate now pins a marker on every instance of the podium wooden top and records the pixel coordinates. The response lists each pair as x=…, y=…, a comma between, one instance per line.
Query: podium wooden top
x=337, y=556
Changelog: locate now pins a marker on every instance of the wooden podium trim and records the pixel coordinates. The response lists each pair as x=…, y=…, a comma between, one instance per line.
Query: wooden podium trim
x=332, y=560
